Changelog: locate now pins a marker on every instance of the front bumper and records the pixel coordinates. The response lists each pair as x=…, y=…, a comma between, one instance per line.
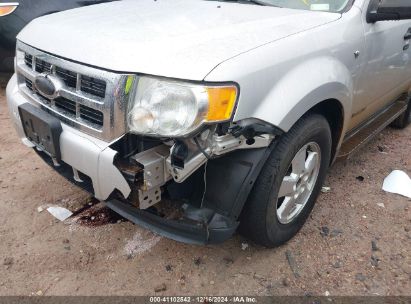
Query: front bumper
x=93, y=159
x=229, y=180
x=88, y=155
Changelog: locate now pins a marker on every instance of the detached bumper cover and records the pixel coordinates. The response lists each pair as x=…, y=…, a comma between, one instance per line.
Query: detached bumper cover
x=229, y=182
x=217, y=230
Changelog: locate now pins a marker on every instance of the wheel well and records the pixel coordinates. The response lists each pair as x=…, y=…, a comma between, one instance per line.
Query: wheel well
x=333, y=111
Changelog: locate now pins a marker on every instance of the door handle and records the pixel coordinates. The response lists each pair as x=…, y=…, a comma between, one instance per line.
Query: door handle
x=408, y=35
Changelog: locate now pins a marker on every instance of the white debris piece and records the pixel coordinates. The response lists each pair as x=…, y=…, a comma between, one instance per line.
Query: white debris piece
x=40, y=209
x=398, y=182
x=59, y=213
x=244, y=246
x=325, y=189
x=43, y=207
x=381, y=205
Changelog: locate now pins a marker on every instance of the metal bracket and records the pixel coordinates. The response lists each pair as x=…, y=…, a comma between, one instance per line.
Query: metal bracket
x=155, y=174
x=149, y=198
x=180, y=175
x=219, y=145
x=227, y=143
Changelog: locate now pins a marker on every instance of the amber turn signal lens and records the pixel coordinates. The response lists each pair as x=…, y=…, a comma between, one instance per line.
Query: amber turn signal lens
x=221, y=102
x=7, y=8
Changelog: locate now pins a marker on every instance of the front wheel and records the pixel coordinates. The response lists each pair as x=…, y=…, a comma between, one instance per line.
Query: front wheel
x=289, y=184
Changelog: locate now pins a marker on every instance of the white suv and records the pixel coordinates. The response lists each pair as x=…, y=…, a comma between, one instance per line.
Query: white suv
x=228, y=113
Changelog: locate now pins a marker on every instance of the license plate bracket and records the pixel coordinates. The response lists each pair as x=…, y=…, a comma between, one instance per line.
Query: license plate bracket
x=42, y=129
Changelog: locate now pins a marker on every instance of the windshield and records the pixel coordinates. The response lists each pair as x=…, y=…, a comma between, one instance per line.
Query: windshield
x=313, y=5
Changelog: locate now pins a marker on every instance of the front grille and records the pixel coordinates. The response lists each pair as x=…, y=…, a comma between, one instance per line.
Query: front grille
x=69, y=78
x=42, y=66
x=28, y=59
x=65, y=105
x=89, y=99
x=91, y=115
x=93, y=86
x=68, y=108
x=29, y=84
x=90, y=85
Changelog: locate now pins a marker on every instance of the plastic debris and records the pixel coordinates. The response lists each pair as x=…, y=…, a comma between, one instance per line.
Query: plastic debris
x=325, y=189
x=398, y=182
x=244, y=246
x=60, y=213
x=40, y=209
x=43, y=207
x=381, y=205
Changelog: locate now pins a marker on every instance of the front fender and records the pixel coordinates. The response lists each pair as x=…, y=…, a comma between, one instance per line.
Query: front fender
x=305, y=86
x=300, y=89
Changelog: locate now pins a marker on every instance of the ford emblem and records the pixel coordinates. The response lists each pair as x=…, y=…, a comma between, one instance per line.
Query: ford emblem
x=48, y=85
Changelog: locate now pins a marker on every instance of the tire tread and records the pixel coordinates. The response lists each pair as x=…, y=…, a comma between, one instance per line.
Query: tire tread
x=253, y=223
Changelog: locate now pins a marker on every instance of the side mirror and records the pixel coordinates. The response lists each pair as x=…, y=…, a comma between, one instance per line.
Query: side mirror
x=385, y=10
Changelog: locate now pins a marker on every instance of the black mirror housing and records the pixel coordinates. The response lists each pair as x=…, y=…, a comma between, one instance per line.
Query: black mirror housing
x=385, y=10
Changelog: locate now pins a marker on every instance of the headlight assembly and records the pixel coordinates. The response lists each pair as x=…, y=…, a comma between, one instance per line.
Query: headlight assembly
x=7, y=8
x=174, y=109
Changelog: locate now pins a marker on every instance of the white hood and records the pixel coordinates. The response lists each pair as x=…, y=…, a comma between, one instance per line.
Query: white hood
x=175, y=38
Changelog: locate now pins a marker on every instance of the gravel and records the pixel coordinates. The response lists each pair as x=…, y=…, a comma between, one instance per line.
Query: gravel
x=119, y=258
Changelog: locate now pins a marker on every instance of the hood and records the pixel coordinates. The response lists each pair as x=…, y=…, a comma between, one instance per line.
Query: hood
x=183, y=39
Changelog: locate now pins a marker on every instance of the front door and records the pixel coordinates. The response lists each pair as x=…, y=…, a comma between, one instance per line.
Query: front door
x=385, y=67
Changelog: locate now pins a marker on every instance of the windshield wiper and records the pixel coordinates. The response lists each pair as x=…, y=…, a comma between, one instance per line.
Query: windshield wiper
x=262, y=3
x=257, y=2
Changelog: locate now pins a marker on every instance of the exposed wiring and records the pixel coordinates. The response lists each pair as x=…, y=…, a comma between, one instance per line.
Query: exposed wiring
x=205, y=184
x=208, y=156
x=205, y=168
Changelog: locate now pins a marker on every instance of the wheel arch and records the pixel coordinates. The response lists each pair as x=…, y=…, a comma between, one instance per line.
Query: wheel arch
x=333, y=111
x=323, y=84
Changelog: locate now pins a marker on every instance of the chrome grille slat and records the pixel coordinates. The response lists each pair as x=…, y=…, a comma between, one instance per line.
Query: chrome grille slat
x=92, y=100
x=66, y=104
x=42, y=66
x=29, y=84
x=82, y=99
x=28, y=59
x=92, y=86
x=86, y=113
x=26, y=73
x=69, y=78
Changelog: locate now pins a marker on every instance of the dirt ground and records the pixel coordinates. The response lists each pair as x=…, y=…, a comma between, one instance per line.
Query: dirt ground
x=356, y=242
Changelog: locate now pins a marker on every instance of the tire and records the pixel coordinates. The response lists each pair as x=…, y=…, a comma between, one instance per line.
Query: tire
x=263, y=220
x=404, y=119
